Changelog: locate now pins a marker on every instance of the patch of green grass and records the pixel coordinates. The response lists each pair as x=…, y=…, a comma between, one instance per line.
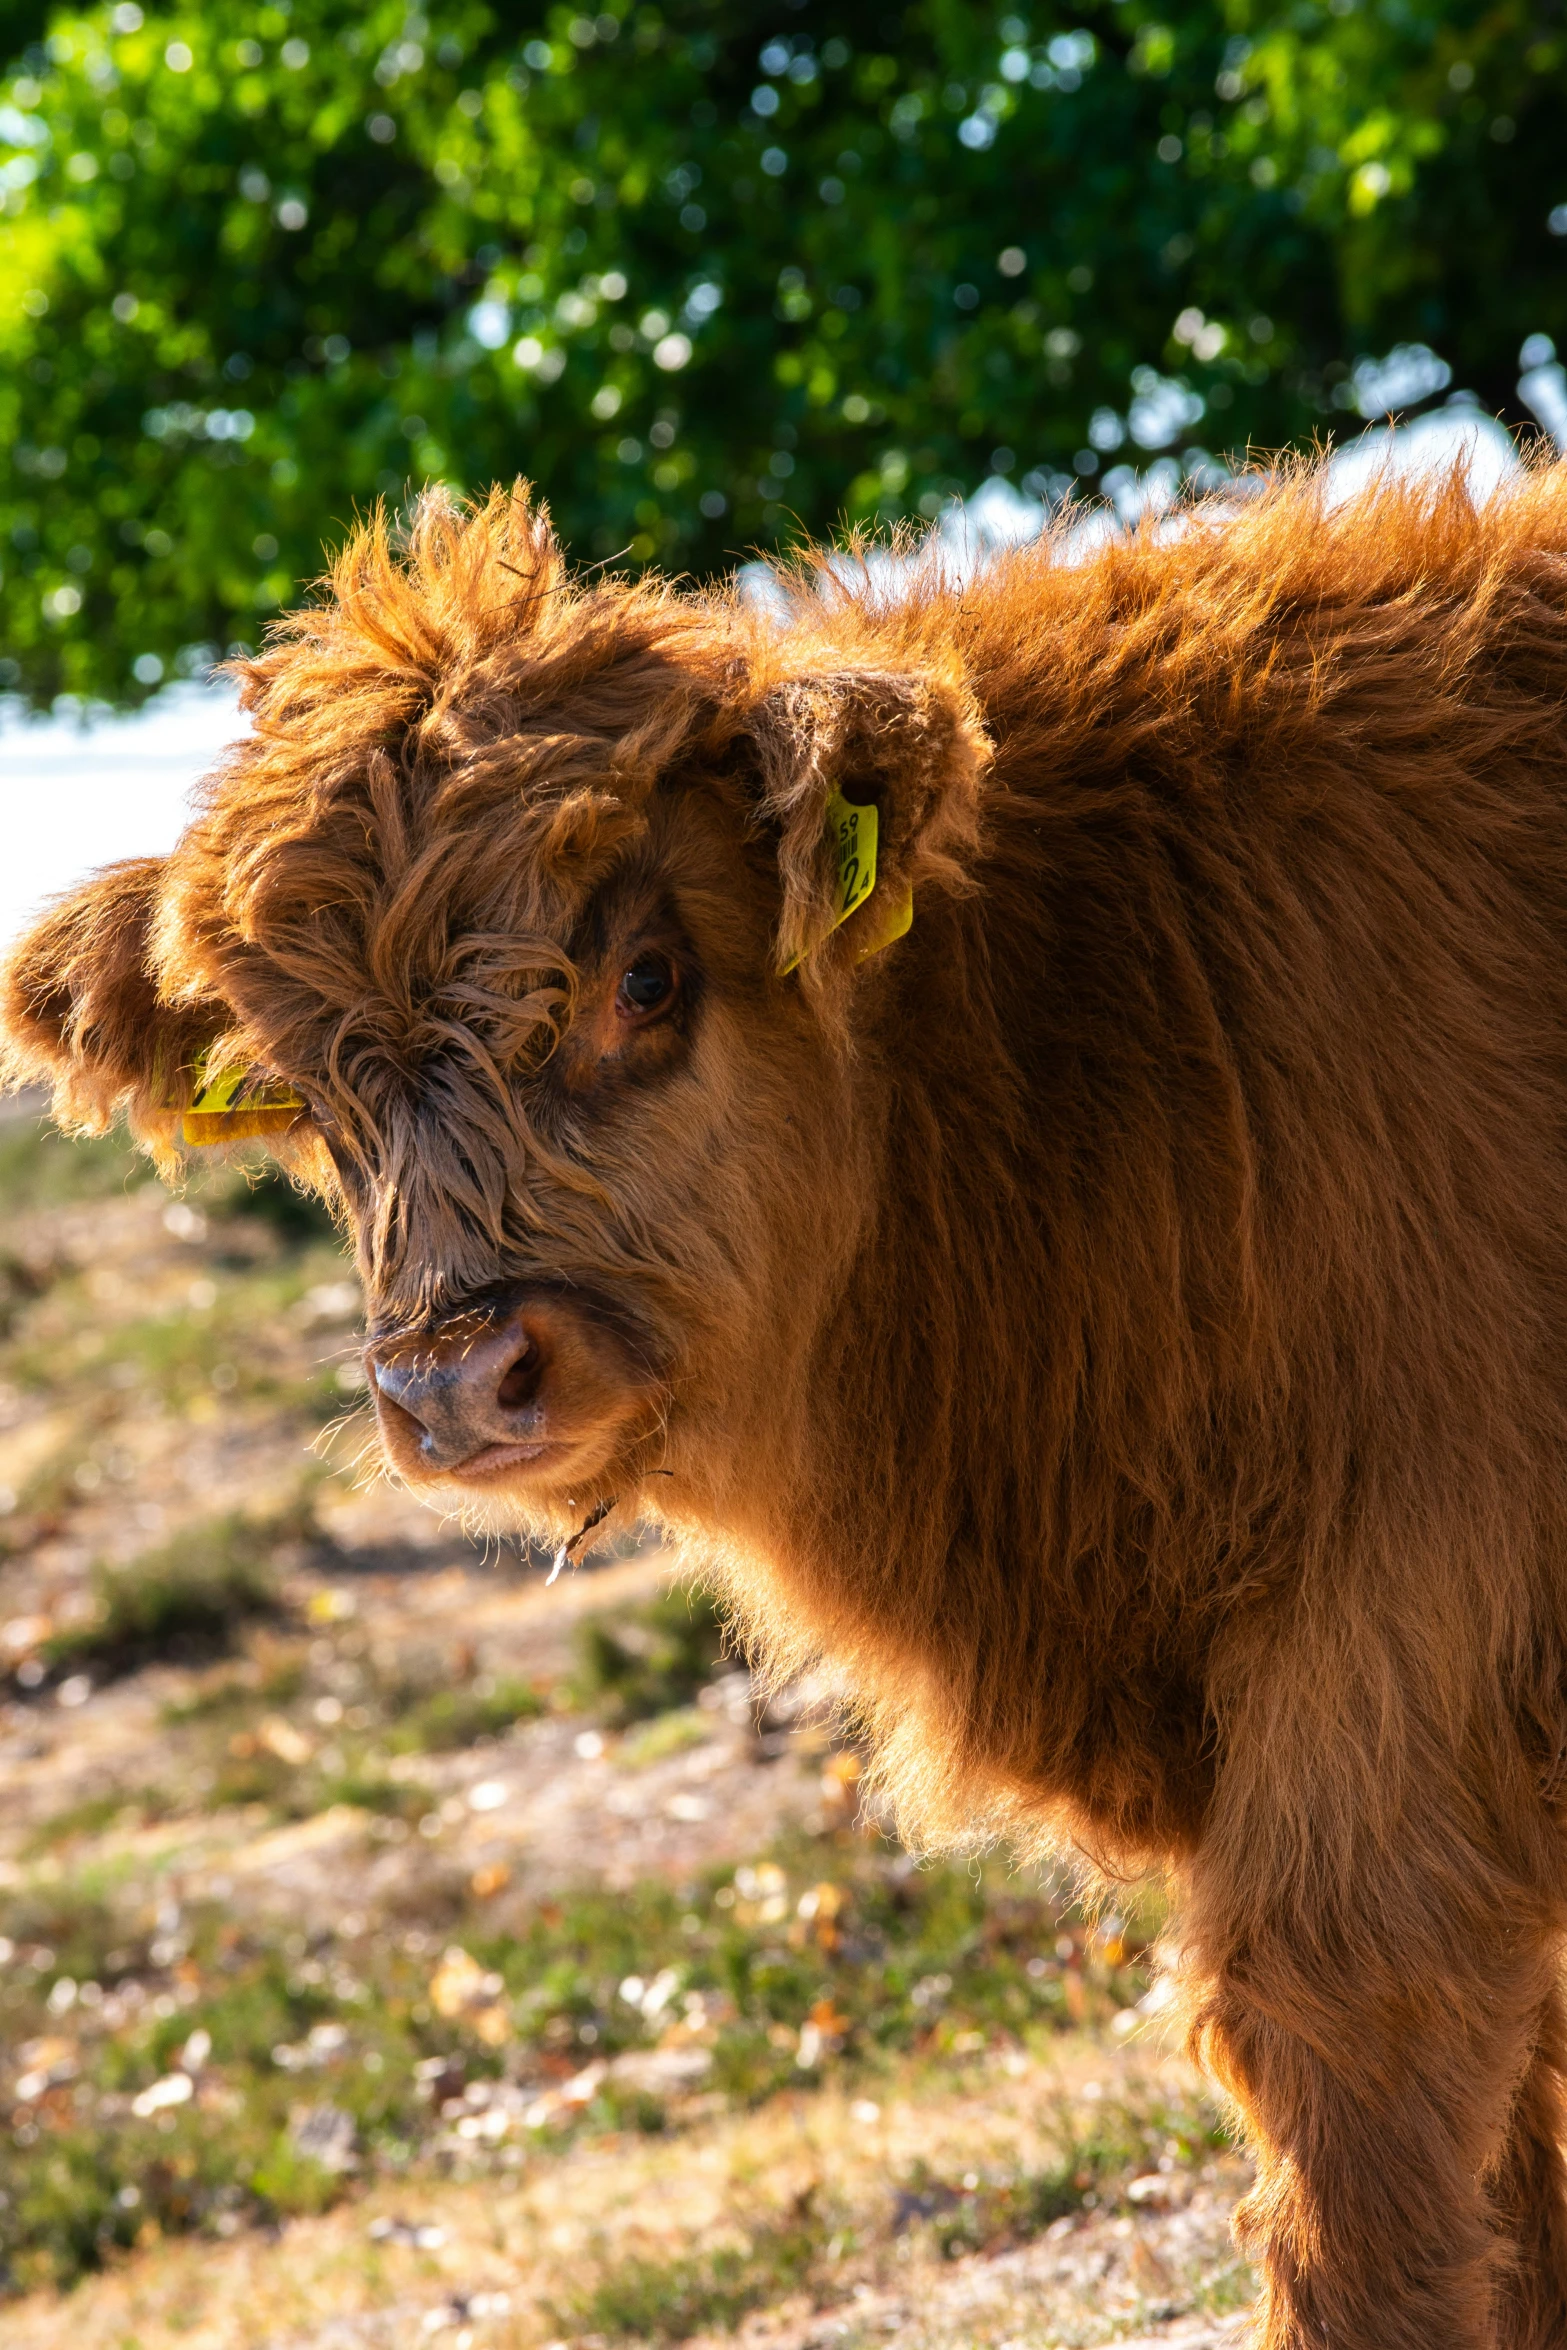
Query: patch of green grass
x=254, y=1775
x=1235, y=2287
x=299, y=1791
x=664, y=1735
x=185, y=1356
x=235, y=1347
x=711, y=2291
x=233, y=1696
x=364, y=1787
x=442, y=1720
x=183, y=1601
x=701, y=2292
x=1099, y=2149
x=92, y=1816
x=56, y=1928
x=291, y=2183
x=831, y=1960
x=253, y=1721
x=634, y=1665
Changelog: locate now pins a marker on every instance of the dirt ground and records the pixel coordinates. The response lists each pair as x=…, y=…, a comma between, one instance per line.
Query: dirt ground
x=280, y=1753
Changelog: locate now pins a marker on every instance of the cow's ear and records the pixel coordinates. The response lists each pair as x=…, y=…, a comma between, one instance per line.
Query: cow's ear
x=907, y=743
x=80, y=1010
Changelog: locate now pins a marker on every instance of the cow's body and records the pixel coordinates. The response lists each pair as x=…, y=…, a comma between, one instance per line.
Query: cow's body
x=1123, y=1322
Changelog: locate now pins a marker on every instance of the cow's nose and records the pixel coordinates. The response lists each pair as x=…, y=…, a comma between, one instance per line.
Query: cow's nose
x=465, y=1389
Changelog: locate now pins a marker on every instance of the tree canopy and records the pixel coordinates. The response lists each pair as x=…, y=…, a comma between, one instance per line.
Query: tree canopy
x=710, y=272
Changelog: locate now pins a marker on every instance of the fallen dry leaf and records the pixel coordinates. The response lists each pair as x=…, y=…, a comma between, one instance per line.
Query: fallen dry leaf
x=280, y=1738
x=456, y=1983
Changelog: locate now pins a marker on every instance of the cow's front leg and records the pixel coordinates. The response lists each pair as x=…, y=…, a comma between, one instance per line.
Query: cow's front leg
x=1374, y=1995
x=1529, y=2192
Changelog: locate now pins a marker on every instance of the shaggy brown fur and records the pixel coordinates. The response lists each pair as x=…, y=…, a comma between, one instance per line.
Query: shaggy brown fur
x=1124, y=1323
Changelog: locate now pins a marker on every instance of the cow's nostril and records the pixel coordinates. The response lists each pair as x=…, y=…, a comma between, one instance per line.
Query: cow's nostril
x=397, y=1382
x=520, y=1383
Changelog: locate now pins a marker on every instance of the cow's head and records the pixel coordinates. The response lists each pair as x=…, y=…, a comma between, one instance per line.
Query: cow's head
x=495, y=904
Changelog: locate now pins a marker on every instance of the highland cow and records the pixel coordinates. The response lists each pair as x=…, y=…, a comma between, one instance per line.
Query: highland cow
x=1120, y=1319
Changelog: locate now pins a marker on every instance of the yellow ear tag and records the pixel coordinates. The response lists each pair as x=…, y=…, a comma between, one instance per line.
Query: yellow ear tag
x=853, y=831
x=235, y=1104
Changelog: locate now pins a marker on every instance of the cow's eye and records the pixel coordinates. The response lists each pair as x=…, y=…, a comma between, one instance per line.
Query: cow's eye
x=647, y=987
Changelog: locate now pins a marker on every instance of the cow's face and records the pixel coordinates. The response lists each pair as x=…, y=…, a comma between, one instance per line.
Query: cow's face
x=499, y=894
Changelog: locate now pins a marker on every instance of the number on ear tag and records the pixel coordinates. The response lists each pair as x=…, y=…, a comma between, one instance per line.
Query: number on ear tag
x=853, y=830
x=854, y=833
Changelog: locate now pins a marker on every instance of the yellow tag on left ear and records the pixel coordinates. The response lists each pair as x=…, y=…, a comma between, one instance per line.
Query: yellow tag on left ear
x=853, y=830
x=237, y=1103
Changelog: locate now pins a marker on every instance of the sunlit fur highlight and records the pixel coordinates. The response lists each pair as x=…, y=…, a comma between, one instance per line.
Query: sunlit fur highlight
x=1124, y=1326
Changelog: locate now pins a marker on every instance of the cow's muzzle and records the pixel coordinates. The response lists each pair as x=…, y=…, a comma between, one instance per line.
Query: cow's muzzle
x=520, y=1392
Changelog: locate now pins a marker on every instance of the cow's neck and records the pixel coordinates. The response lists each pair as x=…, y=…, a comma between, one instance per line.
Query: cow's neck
x=1009, y=1409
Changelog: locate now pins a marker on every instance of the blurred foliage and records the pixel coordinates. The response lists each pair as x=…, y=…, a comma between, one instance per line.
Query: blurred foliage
x=184, y=1601
x=190, y=1360
x=158, y=1340
x=41, y=1168
x=633, y=1664
x=707, y=270
x=440, y=1721
x=259, y=1187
